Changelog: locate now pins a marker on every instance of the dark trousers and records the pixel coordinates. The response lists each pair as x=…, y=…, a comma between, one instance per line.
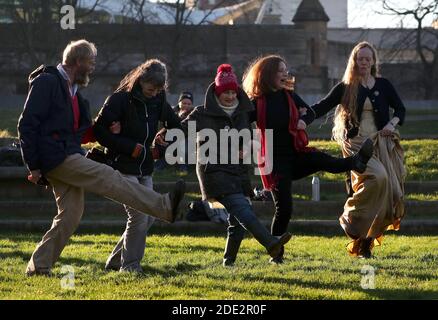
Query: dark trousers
x=294, y=167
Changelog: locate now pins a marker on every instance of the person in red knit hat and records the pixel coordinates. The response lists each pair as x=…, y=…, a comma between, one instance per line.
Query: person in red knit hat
x=227, y=107
x=50, y=128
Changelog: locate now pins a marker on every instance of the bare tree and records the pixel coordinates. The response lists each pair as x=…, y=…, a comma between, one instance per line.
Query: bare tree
x=181, y=15
x=35, y=21
x=423, y=39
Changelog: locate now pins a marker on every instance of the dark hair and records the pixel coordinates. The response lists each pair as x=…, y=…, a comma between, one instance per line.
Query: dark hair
x=152, y=71
x=185, y=95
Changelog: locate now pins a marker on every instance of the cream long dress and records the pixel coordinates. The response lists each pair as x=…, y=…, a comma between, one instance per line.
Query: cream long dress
x=377, y=203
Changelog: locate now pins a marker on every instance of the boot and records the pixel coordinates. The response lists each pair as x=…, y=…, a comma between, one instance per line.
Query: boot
x=278, y=259
x=365, y=248
x=278, y=248
x=231, y=249
x=272, y=244
x=176, y=195
x=361, y=158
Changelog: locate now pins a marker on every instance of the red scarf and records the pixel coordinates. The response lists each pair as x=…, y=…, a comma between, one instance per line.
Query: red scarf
x=299, y=139
x=76, y=112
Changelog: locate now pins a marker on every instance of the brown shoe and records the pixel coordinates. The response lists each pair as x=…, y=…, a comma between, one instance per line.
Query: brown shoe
x=39, y=272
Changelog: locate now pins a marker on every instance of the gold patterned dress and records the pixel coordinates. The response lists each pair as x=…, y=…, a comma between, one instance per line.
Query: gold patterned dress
x=377, y=202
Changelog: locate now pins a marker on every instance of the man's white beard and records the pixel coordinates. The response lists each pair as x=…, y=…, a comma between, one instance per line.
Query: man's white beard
x=83, y=81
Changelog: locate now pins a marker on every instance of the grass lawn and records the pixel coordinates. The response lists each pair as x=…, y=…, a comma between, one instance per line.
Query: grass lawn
x=423, y=127
x=421, y=159
x=189, y=267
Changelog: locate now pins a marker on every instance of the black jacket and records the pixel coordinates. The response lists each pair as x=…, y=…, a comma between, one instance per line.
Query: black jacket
x=139, y=118
x=218, y=180
x=278, y=119
x=382, y=96
x=45, y=127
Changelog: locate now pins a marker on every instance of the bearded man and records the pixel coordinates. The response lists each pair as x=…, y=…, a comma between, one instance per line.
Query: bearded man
x=51, y=128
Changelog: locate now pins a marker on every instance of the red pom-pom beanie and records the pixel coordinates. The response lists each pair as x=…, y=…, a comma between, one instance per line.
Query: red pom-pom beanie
x=225, y=79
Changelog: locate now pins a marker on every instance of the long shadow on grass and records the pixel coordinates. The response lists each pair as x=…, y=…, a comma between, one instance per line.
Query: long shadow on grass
x=16, y=254
x=373, y=294
x=32, y=237
x=408, y=294
x=171, y=271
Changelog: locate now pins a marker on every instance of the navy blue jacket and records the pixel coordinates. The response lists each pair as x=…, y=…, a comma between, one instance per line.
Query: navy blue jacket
x=45, y=127
x=382, y=96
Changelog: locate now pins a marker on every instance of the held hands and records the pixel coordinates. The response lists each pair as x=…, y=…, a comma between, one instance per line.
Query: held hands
x=159, y=139
x=301, y=125
x=303, y=111
x=37, y=178
x=34, y=176
x=389, y=129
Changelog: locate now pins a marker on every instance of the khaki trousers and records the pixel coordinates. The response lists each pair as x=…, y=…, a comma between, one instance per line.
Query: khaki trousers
x=129, y=250
x=69, y=180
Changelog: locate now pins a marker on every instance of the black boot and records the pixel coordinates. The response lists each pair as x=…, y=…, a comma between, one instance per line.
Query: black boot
x=176, y=195
x=272, y=244
x=278, y=259
x=277, y=249
x=365, y=248
x=361, y=158
x=231, y=249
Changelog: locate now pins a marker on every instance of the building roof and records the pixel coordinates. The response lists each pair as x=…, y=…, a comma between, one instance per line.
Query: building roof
x=310, y=10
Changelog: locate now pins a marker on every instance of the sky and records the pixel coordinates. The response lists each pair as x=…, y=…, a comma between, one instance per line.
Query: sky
x=362, y=14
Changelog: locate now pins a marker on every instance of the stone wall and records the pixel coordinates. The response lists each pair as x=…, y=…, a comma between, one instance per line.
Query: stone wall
x=192, y=53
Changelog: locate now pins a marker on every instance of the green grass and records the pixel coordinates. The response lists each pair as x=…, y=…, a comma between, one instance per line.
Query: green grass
x=9, y=120
x=324, y=196
x=189, y=267
x=410, y=127
x=423, y=197
x=421, y=159
x=421, y=112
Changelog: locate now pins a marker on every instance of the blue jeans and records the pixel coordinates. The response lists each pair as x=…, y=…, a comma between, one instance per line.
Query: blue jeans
x=241, y=217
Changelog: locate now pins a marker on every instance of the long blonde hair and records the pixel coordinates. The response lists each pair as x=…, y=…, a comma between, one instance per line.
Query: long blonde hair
x=345, y=114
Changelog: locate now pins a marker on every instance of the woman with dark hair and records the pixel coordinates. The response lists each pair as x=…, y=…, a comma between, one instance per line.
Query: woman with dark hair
x=278, y=108
x=363, y=100
x=138, y=104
